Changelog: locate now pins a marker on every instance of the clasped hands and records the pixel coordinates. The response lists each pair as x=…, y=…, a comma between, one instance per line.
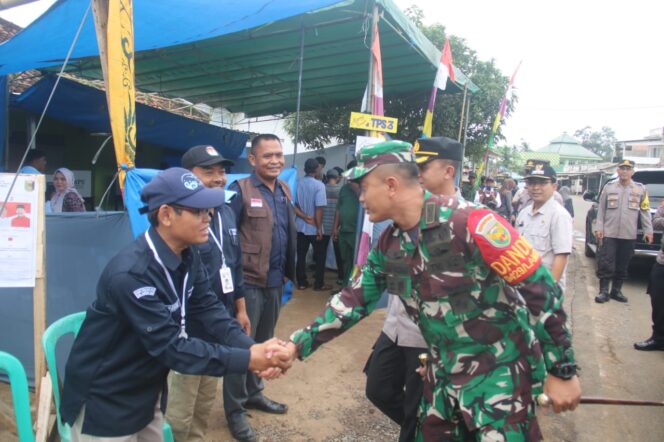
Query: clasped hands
x=271, y=359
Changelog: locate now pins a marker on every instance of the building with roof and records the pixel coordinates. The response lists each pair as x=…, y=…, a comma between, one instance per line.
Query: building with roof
x=645, y=152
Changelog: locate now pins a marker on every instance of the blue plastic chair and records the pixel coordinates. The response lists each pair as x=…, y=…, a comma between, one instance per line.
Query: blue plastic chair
x=61, y=327
x=19, y=386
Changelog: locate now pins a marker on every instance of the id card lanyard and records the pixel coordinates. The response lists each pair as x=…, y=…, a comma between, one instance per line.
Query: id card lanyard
x=183, y=308
x=224, y=271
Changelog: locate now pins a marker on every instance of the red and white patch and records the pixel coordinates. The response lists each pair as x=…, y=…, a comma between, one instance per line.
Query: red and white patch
x=212, y=151
x=503, y=249
x=256, y=202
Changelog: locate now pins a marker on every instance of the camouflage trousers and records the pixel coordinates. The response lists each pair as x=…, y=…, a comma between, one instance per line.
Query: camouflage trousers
x=514, y=428
x=495, y=407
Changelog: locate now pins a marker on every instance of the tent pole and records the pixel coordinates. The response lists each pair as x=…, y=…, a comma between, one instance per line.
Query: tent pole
x=463, y=110
x=465, y=128
x=299, y=92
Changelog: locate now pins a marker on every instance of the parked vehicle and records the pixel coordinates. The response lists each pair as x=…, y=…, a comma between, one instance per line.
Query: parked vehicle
x=653, y=179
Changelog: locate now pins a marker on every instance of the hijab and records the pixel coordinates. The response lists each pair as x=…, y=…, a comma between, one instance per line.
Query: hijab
x=564, y=192
x=58, y=197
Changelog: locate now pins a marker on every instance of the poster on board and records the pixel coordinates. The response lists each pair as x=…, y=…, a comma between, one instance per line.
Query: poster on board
x=18, y=230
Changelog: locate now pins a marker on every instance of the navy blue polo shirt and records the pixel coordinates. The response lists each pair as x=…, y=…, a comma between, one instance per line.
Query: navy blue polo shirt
x=278, y=204
x=130, y=339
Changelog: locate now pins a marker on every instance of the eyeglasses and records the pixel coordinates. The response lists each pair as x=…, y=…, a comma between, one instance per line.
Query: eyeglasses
x=200, y=213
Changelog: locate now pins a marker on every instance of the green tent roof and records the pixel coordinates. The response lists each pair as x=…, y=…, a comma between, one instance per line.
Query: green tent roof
x=568, y=147
x=256, y=70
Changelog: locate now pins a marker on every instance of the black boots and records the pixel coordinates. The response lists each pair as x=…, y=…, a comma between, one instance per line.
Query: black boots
x=616, y=293
x=603, y=295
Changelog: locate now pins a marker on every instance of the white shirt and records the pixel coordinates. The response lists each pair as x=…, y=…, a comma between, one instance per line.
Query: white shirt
x=550, y=231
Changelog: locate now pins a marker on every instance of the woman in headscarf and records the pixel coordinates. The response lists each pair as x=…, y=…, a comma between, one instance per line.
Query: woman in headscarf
x=567, y=200
x=66, y=198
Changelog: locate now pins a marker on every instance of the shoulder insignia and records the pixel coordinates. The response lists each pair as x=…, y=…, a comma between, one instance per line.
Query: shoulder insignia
x=430, y=212
x=502, y=248
x=144, y=291
x=645, y=202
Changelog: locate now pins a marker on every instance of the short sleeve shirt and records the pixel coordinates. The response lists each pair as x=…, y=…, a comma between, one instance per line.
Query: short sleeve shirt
x=549, y=230
x=310, y=195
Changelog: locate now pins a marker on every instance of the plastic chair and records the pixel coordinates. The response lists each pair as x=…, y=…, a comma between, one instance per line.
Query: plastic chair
x=19, y=386
x=61, y=327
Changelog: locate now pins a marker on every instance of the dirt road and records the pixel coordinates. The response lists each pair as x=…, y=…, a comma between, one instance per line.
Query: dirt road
x=325, y=393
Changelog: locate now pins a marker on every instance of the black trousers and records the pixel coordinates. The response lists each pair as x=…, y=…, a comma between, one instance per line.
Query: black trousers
x=338, y=260
x=320, y=250
x=613, y=258
x=656, y=292
x=393, y=385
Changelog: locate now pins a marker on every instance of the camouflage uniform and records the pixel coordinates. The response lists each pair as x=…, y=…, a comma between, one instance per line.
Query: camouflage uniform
x=491, y=342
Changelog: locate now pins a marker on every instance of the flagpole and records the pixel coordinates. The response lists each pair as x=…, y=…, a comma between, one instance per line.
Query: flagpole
x=299, y=92
x=463, y=110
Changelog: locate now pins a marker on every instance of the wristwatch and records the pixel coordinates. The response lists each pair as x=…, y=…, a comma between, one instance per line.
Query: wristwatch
x=564, y=370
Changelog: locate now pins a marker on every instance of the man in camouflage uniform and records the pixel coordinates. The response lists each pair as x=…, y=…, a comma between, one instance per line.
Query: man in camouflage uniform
x=489, y=311
x=621, y=204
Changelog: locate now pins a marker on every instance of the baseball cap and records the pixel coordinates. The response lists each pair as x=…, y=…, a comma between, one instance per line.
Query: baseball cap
x=202, y=156
x=542, y=171
x=472, y=175
x=628, y=163
x=179, y=186
x=388, y=152
x=437, y=148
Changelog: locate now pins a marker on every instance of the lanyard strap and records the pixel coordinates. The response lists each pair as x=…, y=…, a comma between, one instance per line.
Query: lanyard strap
x=219, y=241
x=183, y=308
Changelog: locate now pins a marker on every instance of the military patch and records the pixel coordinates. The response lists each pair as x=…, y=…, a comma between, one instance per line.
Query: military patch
x=502, y=248
x=496, y=233
x=645, y=203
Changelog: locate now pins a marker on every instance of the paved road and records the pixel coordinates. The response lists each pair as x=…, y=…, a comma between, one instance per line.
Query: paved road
x=603, y=338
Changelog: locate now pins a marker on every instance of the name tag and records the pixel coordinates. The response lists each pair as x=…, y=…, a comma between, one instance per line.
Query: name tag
x=256, y=202
x=226, y=279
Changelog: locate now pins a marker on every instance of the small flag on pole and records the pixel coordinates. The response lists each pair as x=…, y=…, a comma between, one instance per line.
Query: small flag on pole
x=445, y=71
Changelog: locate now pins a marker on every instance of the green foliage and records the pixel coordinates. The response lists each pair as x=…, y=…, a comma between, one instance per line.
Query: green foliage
x=600, y=142
x=319, y=127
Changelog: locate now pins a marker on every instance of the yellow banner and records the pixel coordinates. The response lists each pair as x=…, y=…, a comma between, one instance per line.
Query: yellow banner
x=376, y=123
x=115, y=34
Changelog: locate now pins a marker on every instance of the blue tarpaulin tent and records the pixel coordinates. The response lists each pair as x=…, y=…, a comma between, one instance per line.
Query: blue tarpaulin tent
x=84, y=106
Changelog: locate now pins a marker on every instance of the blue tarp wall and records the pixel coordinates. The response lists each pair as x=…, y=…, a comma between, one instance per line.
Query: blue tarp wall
x=84, y=106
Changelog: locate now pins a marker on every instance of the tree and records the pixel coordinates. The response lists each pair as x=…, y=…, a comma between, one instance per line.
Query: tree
x=319, y=127
x=601, y=142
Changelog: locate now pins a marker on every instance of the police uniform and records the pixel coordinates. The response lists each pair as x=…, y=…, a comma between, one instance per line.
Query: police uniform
x=619, y=209
x=490, y=313
x=154, y=312
x=656, y=292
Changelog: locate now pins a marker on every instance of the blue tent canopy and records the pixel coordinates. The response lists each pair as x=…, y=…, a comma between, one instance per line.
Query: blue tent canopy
x=84, y=106
x=157, y=24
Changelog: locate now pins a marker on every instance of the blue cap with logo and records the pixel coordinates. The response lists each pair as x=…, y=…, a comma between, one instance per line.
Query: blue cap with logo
x=179, y=186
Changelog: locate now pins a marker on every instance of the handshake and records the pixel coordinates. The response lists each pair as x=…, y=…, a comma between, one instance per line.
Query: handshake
x=271, y=358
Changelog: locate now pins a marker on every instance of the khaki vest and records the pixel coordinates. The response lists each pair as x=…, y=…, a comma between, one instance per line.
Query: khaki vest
x=256, y=234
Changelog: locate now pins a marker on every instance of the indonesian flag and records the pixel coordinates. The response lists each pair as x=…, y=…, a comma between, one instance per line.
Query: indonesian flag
x=445, y=71
x=445, y=68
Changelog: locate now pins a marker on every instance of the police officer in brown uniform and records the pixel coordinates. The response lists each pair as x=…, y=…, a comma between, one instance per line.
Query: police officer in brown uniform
x=621, y=204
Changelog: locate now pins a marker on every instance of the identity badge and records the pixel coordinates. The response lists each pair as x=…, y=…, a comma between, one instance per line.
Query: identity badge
x=256, y=202
x=226, y=279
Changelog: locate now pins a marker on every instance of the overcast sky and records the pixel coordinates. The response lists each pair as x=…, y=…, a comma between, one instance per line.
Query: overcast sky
x=585, y=62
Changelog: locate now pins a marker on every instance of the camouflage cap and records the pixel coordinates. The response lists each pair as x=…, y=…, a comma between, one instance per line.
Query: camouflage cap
x=370, y=157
